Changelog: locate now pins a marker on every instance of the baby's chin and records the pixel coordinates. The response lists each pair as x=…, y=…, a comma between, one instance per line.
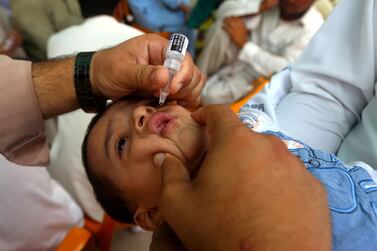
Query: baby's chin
x=192, y=142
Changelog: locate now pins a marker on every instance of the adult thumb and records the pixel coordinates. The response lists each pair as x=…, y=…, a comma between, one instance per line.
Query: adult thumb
x=175, y=186
x=173, y=171
x=148, y=77
x=176, y=197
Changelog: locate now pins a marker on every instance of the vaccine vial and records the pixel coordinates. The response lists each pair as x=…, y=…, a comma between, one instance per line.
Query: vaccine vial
x=174, y=56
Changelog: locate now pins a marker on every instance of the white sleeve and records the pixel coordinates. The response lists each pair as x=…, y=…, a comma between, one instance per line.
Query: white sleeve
x=267, y=63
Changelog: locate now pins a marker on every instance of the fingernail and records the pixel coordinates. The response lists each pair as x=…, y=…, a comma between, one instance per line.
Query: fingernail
x=159, y=159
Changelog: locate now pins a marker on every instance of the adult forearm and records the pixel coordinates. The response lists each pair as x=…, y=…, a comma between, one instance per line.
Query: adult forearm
x=54, y=86
x=135, y=65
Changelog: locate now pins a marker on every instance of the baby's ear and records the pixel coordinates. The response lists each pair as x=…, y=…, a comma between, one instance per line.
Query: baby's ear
x=147, y=218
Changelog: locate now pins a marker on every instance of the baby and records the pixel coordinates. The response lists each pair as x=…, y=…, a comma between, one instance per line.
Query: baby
x=118, y=155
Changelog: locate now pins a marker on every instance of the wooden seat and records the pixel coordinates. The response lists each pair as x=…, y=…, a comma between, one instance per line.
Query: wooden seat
x=92, y=235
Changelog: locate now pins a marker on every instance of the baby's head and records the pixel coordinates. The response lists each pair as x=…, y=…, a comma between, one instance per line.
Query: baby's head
x=118, y=153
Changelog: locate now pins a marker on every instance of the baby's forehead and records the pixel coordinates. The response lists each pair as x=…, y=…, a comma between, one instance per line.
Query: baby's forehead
x=119, y=107
x=117, y=110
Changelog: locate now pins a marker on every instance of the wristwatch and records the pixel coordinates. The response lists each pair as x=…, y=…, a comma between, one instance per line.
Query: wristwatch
x=84, y=93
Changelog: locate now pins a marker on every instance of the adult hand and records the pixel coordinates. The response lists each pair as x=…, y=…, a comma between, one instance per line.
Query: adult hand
x=135, y=67
x=186, y=9
x=237, y=30
x=250, y=193
x=131, y=68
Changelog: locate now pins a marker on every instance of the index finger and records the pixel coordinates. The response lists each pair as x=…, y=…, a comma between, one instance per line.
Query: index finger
x=219, y=119
x=184, y=75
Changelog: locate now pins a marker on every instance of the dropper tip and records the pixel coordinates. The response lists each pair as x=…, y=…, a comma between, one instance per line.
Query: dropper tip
x=162, y=98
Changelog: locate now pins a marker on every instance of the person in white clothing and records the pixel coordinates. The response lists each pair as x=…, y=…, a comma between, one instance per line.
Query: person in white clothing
x=278, y=40
x=218, y=48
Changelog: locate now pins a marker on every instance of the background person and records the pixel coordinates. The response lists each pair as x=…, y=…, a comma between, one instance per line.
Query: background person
x=218, y=48
x=161, y=15
x=37, y=20
x=278, y=40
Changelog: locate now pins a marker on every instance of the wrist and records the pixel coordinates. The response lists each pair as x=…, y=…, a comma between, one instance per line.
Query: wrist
x=93, y=75
x=54, y=87
x=249, y=51
x=86, y=93
x=241, y=44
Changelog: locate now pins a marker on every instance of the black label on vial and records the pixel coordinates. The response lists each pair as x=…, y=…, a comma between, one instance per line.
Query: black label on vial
x=177, y=43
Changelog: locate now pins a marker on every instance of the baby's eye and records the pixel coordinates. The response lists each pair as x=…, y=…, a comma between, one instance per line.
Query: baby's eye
x=121, y=144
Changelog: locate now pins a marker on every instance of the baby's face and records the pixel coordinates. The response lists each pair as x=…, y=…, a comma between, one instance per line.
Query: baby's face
x=123, y=142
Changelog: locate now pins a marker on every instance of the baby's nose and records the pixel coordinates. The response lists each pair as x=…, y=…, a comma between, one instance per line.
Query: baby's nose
x=141, y=116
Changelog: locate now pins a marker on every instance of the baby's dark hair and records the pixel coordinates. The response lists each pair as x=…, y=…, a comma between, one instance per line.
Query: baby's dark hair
x=108, y=195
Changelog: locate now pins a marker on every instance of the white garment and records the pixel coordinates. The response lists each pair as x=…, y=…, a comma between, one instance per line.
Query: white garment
x=218, y=48
x=274, y=44
x=234, y=8
x=331, y=89
x=93, y=34
x=229, y=84
x=66, y=165
x=37, y=209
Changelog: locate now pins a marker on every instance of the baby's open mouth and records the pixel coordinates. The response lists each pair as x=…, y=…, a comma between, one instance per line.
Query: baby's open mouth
x=161, y=123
